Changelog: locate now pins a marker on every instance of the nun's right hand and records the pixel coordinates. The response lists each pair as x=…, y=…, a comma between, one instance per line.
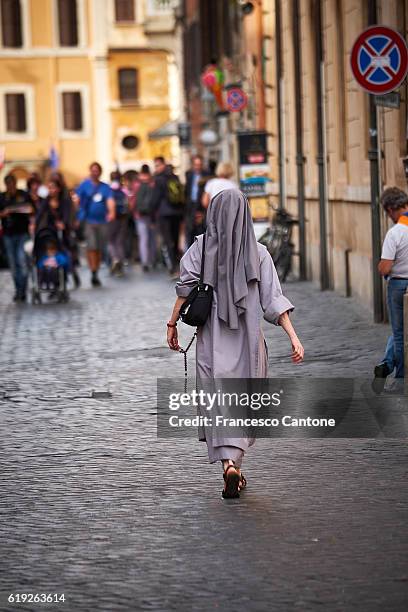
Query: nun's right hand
x=298, y=352
x=172, y=338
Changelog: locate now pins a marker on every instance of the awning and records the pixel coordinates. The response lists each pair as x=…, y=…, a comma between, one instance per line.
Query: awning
x=164, y=131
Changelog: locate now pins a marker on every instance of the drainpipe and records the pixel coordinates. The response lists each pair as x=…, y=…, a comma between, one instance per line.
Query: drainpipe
x=279, y=104
x=375, y=192
x=299, y=139
x=321, y=160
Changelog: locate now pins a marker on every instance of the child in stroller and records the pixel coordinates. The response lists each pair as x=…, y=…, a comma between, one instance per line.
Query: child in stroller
x=51, y=266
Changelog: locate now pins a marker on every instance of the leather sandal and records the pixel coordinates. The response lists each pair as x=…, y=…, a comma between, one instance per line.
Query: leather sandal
x=231, y=489
x=242, y=481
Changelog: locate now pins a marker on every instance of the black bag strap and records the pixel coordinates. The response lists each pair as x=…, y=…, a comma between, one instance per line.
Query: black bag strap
x=200, y=282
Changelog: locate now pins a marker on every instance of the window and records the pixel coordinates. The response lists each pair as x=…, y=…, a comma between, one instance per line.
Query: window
x=130, y=142
x=124, y=10
x=128, y=86
x=16, y=119
x=72, y=111
x=17, y=115
x=11, y=24
x=68, y=23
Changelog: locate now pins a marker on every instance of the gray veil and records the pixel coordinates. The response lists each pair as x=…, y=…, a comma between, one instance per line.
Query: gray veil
x=231, y=253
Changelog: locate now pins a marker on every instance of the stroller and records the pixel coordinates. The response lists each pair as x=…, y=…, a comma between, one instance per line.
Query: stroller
x=49, y=280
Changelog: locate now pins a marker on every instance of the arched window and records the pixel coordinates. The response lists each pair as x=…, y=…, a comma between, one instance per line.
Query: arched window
x=128, y=85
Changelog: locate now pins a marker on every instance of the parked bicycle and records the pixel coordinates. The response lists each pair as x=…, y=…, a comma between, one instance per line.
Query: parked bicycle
x=278, y=241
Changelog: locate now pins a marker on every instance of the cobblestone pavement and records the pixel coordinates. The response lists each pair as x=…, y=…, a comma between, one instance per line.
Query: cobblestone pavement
x=94, y=506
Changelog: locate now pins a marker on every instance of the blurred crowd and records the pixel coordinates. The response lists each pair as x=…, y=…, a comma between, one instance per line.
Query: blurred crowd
x=149, y=217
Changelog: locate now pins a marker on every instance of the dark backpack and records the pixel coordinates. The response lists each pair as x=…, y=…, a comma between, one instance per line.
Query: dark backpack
x=121, y=201
x=144, y=199
x=175, y=191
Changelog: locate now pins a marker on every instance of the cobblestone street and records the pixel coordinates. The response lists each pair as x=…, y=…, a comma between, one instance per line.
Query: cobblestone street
x=94, y=506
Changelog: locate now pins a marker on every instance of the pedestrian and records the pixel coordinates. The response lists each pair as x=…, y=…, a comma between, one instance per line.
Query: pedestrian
x=194, y=212
x=394, y=268
x=59, y=178
x=54, y=258
x=33, y=186
x=57, y=213
x=144, y=219
x=96, y=209
x=42, y=189
x=231, y=343
x=130, y=187
x=117, y=228
x=222, y=181
x=16, y=211
x=168, y=203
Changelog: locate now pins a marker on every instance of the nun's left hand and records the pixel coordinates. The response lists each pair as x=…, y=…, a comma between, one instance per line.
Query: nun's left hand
x=172, y=338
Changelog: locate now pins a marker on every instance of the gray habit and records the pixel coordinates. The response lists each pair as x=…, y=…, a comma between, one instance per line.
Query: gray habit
x=222, y=352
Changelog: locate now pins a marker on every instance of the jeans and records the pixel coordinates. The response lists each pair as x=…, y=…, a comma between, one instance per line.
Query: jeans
x=389, y=355
x=147, y=241
x=17, y=260
x=395, y=300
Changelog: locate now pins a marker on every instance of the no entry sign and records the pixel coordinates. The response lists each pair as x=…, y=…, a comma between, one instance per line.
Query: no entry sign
x=236, y=100
x=379, y=60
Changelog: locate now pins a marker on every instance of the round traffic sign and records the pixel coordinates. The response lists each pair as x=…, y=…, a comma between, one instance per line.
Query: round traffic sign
x=236, y=99
x=379, y=60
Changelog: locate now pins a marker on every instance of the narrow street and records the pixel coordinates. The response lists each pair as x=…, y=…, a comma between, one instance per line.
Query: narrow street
x=94, y=506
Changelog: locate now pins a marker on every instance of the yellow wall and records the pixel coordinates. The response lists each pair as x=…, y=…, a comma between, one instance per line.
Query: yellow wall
x=41, y=23
x=44, y=74
x=152, y=109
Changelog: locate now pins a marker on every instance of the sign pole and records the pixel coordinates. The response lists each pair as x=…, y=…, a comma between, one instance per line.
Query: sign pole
x=375, y=205
x=379, y=63
x=375, y=213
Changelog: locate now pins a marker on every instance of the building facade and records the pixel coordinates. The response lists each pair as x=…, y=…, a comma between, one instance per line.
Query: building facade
x=89, y=78
x=219, y=32
x=323, y=138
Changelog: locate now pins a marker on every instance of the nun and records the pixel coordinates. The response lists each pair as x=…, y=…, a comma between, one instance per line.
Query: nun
x=231, y=343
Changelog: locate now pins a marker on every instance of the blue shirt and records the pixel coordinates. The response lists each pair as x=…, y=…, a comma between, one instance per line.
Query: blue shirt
x=93, y=201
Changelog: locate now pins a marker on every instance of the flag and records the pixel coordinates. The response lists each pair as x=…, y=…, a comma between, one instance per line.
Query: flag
x=53, y=158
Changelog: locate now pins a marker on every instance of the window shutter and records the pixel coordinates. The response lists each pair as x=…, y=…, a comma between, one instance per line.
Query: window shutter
x=124, y=10
x=11, y=23
x=128, y=85
x=72, y=111
x=16, y=120
x=68, y=23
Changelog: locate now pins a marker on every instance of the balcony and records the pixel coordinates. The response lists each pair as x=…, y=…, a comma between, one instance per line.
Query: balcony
x=160, y=17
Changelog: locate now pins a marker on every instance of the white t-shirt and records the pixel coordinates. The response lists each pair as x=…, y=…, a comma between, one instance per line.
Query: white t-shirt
x=396, y=247
x=215, y=185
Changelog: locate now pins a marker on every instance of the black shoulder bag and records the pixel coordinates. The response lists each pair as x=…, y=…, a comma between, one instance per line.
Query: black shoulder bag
x=197, y=307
